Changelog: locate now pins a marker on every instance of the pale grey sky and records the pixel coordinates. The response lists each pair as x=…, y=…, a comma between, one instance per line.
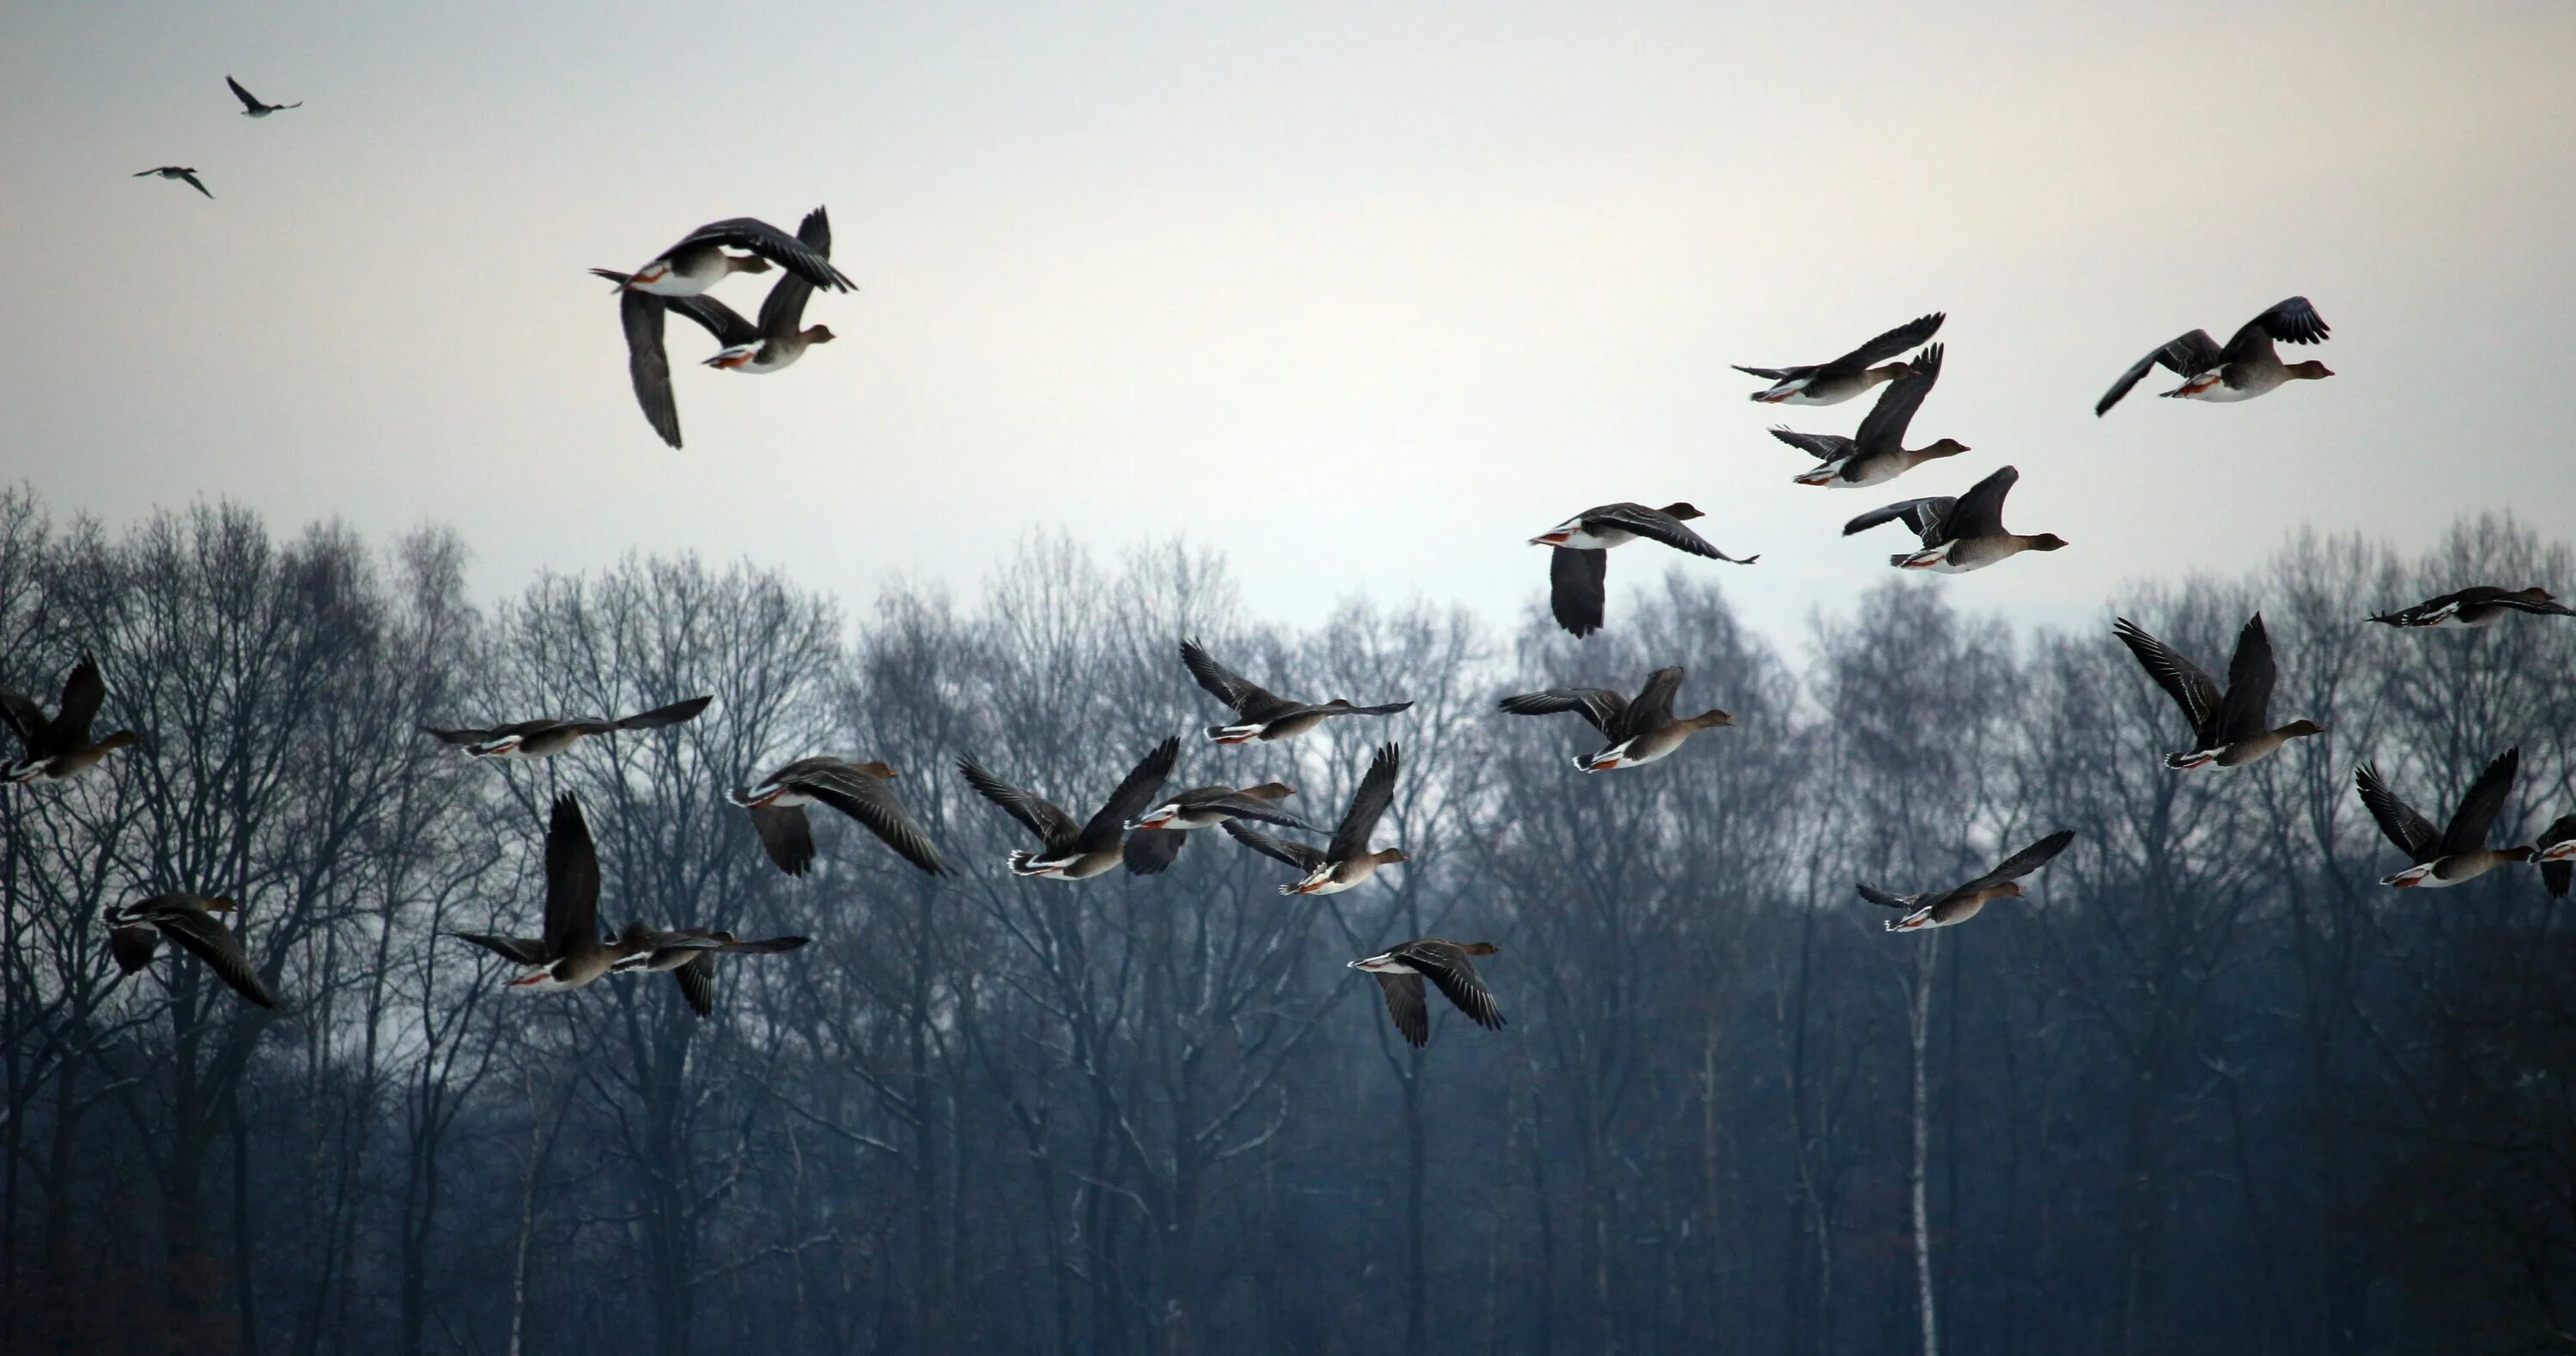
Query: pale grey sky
x=1363, y=294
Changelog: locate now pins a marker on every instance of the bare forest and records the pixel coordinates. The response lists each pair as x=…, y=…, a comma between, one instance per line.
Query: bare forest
x=2209, y=1087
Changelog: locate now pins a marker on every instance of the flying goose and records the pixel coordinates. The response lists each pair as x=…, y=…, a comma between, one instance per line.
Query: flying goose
x=571, y=954
x=2246, y=368
x=1264, y=714
x=2230, y=730
x=1400, y=970
x=2482, y=605
x=1075, y=851
x=1346, y=861
x=1579, y=567
x=1155, y=838
x=688, y=955
x=136, y=930
x=545, y=738
x=1962, y=534
x=59, y=749
x=769, y=346
x=252, y=107
x=1639, y=731
x=182, y=173
x=1847, y=376
x=777, y=804
x=1960, y=903
x=2458, y=852
x=1877, y=453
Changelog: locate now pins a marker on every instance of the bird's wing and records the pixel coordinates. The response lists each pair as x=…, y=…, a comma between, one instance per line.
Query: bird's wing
x=1037, y=814
x=250, y=103
x=1772, y=373
x=1448, y=967
x=2534, y=602
x=1578, y=588
x=1252, y=807
x=1405, y=1005
x=872, y=802
x=524, y=950
x=199, y=185
x=2187, y=683
x=25, y=717
x=2246, y=712
x=1653, y=708
x=647, y=366
x=1377, y=787
x=1657, y=525
x=1883, y=428
x=783, y=310
x=723, y=322
x=1228, y=686
x=1131, y=797
x=1980, y=512
x=1886, y=900
x=778, y=247
x=1821, y=446
x=2467, y=831
x=2021, y=863
x=2185, y=355
x=83, y=691
x=572, y=878
x=206, y=937
x=1921, y=516
x=457, y=736
x=1151, y=852
x=786, y=835
x=1889, y=344
x=675, y=714
x=133, y=945
x=2413, y=834
x=697, y=981
x=1599, y=705
x=2293, y=321
x=1297, y=855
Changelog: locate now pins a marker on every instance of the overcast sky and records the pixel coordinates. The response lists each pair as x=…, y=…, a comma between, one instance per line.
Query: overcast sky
x=1364, y=295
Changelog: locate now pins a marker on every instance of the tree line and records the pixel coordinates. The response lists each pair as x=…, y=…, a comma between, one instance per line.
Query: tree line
x=2209, y=1086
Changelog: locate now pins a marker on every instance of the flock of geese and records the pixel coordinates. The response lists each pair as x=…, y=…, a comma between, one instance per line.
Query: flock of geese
x=1142, y=829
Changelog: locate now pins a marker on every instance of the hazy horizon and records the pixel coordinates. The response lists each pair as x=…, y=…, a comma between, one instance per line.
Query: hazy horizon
x=1416, y=283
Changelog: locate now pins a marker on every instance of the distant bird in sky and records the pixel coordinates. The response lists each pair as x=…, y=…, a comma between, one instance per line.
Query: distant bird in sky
x=2482, y=605
x=1877, y=453
x=1847, y=376
x=777, y=804
x=1156, y=837
x=58, y=748
x=136, y=930
x=688, y=955
x=1961, y=903
x=1076, y=851
x=1639, y=731
x=1264, y=714
x=547, y=737
x=1578, y=569
x=185, y=174
x=1400, y=970
x=2229, y=729
x=2247, y=367
x=251, y=106
x=1347, y=860
x=2458, y=851
x=1962, y=534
